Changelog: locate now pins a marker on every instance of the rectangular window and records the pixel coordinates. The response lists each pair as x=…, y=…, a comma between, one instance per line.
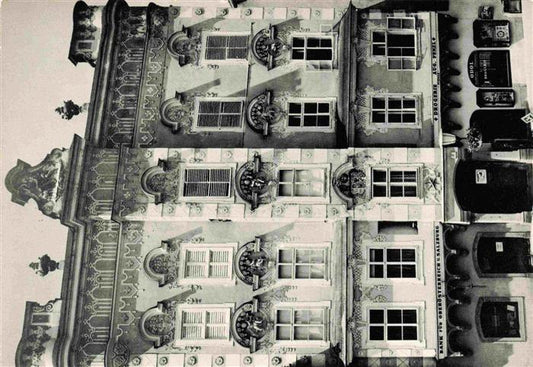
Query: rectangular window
x=214, y=263
x=393, y=324
x=302, y=263
x=301, y=324
x=401, y=23
x=311, y=115
x=302, y=182
x=398, y=46
x=391, y=183
x=226, y=47
x=394, y=110
x=392, y=263
x=219, y=115
x=316, y=50
x=204, y=323
x=207, y=182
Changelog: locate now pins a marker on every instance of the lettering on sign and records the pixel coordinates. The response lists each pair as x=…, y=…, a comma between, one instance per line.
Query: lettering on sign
x=441, y=293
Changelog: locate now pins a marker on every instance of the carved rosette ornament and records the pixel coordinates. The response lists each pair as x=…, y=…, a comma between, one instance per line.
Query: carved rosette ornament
x=266, y=46
x=43, y=183
x=253, y=263
x=249, y=325
x=255, y=180
x=350, y=183
x=185, y=47
x=262, y=113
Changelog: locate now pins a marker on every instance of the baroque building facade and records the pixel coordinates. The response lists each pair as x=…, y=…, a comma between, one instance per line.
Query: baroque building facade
x=271, y=186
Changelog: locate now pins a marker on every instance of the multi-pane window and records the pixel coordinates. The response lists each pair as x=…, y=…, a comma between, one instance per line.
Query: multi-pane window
x=226, y=47
x=205, y=324
x=392, y=263
x=397, y=43
x=219, y=114
x=207, y=182
x=212, y=263
x=296, y=324
x=316, y=50
x=394, y=110
x=302, y=182
x=302, y=263
x=309, y=114
x=393, y=324
x=401, y=23
x=391, y=182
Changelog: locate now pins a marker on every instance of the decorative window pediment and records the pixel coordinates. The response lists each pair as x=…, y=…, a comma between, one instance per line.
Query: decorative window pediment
x=350, y=182
x=157, y=325
x=254, y=182
x=185, y=47
x=250, y=325
x=254, y=261
x=266, y=46
x=177, y=112
x=262, y=113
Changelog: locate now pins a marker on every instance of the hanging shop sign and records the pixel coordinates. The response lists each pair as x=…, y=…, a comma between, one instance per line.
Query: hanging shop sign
x=490, y=68
x=495, y=97
x=492, y=33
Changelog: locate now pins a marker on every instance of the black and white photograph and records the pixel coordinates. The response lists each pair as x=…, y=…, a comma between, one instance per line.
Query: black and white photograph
x=266, y=183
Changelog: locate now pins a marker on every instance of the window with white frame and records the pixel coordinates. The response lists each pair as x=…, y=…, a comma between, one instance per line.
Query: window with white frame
x=301, y=323
x=219, y=115
x=394, y=110
x=207, y=262
x=393, y=324
x=309, y=115
x=304, y=182
x=394, y=182
x=317, y=51
x=207, y=182
x=397, y=43
x=392, y=263
x=204, y=323
x=226, y=47
x=302, y=262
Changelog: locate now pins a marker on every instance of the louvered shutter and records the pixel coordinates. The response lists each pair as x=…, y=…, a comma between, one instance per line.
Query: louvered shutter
x=231, y=114
x=196, y=261
x=219, y=263
x=207, y=182
x=192, y=324
x=215, y=48
x=217, y=324
x=219, y=114
x=237, y=47
x=226, y=47
x=208, y=113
